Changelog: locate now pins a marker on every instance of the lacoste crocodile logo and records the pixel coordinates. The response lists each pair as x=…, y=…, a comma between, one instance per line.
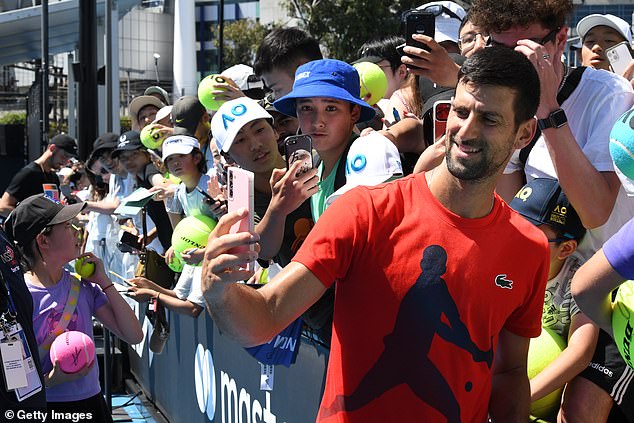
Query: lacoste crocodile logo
x=502, y=282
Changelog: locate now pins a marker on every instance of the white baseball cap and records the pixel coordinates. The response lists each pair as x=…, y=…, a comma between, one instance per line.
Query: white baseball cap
x=619, y=25
x=162, y=113
x=447, y=26
x=232, y=116
x=243, y=76
x=178, y=144
x=372, y=159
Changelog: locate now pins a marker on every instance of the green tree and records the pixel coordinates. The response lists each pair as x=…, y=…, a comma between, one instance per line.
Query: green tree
x=342, y=26
x=241, y=41
x=13, y=118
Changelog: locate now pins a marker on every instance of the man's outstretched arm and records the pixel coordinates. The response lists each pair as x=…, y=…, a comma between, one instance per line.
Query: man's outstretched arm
x=510, y=393
x=251, y=316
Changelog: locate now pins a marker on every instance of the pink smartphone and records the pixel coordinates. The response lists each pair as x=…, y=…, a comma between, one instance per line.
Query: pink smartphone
x=240, y=195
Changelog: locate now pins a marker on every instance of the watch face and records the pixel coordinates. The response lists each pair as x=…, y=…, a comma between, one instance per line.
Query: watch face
x=558, y=118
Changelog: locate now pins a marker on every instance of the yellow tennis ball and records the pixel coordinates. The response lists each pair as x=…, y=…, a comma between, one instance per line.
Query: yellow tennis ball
x=372, y=80
x=173, y=178
x=151, y=137
x=192, y=232
x=623, y=320
x=176, y=264
x=206, y=87
x=542, y=351
x=84, y=268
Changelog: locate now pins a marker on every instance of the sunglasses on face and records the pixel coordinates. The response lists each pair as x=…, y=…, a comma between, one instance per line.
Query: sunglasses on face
x=541, y=41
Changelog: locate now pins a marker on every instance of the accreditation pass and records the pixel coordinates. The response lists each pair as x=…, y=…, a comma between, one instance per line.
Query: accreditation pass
x=17, y=363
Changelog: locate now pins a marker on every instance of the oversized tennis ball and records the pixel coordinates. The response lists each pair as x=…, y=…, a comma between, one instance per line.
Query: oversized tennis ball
x=73, y=350
x=151, y=137
x=622, y=144
x=176, y=264
x=84, y=268
x=192, y=232
x=541, y=352
x=372, y=80
x=623, y=320
x=206, y=87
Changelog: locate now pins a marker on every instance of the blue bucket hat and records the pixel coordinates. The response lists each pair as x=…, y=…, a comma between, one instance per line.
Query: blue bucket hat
x=325, y=78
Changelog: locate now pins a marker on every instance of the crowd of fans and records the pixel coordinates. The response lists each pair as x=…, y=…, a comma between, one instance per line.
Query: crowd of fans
x=417, y=252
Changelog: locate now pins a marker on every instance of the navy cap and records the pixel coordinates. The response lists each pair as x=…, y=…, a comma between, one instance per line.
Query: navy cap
x=128, y=141
x=543, y=202
x=325, y=78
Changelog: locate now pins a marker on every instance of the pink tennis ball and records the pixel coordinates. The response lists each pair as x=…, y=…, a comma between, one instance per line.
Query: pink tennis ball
x=73, y=351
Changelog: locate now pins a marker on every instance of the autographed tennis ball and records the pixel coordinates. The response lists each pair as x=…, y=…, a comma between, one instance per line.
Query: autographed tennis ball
x=84, y=268
x=623, y=320
x=206, y=87
x=372, y=80
x=151, y=137
x=192, y=232
x=542, y=351
x=73, y=350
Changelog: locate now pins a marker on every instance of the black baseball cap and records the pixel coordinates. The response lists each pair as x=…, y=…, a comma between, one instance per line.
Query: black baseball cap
x=34, y=214
x=187, y=112
x=128, y=141
x=107, y=141
x=66, y=143
x=543, y=202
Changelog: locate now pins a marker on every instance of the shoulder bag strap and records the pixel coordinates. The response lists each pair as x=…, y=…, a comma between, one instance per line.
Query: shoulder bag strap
x=67, y=314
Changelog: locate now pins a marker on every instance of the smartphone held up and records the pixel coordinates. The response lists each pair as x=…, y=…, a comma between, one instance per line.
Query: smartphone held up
x=299, y=148
x=240, y=192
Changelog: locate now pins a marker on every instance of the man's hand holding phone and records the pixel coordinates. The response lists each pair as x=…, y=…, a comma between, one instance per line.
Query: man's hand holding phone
x=432, y=62
x=227, y=255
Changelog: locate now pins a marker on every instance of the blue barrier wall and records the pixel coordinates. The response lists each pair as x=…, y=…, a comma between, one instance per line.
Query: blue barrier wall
x=203, y=376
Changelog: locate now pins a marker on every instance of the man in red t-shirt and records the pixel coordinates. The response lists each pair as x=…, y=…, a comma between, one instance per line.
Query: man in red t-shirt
x=439, y=283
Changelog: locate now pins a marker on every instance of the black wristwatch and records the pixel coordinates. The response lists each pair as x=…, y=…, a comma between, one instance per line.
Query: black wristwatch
x=556, y=119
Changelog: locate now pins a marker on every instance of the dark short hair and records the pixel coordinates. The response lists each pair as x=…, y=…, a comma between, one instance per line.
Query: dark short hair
x=384, y=48
x=501, y=15
x=286, y=48
x=502, y=66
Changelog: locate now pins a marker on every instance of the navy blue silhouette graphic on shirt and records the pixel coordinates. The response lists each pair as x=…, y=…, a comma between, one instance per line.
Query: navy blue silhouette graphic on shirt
x=404, y=359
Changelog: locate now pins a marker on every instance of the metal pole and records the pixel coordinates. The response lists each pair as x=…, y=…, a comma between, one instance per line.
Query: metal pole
x=221, y=19
x=109, y=114
x=44, y=105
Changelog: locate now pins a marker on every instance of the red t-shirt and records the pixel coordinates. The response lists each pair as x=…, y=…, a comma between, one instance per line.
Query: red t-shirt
x=421, y=297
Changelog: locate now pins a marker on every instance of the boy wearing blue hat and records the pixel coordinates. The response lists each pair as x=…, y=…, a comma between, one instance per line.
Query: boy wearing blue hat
x=326, y=100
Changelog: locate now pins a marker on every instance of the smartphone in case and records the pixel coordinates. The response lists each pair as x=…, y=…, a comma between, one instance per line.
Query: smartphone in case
x=419, y=22
x=129, y=243
x=440, y=116
x=240, y=192
x=299, y=147
x=619, y=57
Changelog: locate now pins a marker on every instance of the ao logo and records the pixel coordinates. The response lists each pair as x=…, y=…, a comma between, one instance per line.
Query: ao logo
x=236, y=111
x=356, y=164
x=205, y=379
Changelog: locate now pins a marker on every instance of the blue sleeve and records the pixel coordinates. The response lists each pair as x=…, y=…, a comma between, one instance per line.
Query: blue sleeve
x=619, y=250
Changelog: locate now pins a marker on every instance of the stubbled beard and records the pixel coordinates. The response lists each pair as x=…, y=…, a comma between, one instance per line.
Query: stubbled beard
x=474, y=171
